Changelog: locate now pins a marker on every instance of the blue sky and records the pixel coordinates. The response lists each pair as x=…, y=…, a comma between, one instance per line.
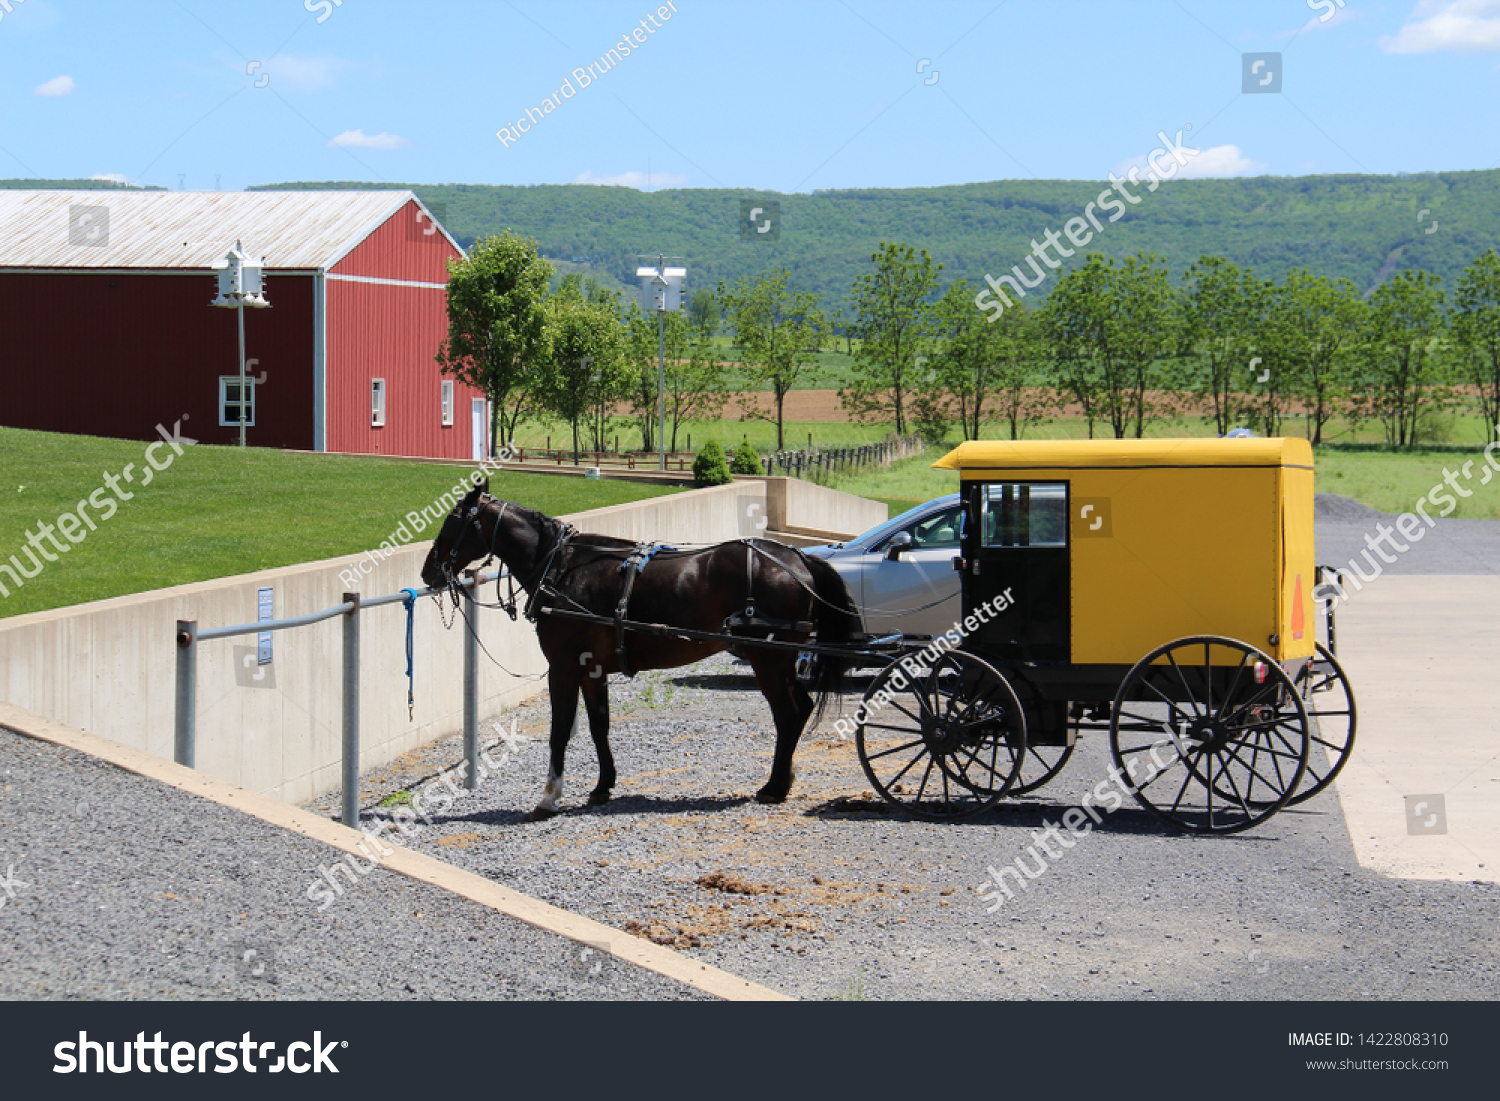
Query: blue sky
x=779, y=96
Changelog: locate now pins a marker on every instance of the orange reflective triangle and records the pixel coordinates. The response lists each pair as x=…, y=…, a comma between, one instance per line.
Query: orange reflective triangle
x=1299, y=621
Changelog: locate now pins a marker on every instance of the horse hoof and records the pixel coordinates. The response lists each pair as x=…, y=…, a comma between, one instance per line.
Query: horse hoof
x=766, y=795
x=541, y=814
x=598, y=797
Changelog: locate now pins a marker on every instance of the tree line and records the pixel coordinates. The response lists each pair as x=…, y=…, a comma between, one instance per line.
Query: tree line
x=1118, y=343
x=1121, y=344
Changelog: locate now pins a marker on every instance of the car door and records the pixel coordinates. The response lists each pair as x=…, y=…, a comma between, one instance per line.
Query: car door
x=916, y=592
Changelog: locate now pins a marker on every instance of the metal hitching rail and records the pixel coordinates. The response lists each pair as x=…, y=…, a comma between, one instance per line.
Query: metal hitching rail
x=184, y=749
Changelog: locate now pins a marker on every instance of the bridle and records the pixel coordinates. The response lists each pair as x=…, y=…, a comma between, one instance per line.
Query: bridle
x=506, y=602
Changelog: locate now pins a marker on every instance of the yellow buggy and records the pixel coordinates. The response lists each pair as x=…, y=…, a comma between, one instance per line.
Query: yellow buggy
x=1157, y=589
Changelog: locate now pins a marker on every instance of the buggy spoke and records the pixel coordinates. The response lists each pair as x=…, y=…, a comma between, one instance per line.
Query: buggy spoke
x=888, y=752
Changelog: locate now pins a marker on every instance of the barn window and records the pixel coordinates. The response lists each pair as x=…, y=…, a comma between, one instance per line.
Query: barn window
x=377, y=402
x=447, y=403
x=229, y=401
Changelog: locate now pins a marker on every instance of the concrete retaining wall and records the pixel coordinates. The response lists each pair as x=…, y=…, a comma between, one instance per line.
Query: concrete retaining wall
x=109, y=667
x=794, y=505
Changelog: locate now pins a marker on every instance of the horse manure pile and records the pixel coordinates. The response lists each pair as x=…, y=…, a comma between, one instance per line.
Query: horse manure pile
x=718, y=881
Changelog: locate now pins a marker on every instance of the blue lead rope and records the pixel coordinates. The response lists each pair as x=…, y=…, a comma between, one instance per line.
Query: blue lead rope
x=411, y=616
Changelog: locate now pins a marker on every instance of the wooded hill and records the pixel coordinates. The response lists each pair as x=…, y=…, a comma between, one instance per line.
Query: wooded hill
x=1358, y=227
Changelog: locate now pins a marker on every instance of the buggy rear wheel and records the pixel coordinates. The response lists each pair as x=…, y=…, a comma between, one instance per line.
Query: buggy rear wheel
x=1211, y=734
x=1040, y=765
x=942, y=742
x=1329, y=701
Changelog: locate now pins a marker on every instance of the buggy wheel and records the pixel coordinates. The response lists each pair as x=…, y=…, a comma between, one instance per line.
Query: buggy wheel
x=1212, y=733
x=1040, y=765
x=1329, y=701
x=944, y=742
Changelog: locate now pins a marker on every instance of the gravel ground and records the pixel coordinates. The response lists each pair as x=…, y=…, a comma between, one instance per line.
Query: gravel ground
x=828, y=896
x=123, y=888
x=1462, y=547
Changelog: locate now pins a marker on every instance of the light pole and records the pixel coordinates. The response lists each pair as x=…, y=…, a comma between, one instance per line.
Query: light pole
x=241, y=284
x=661, y=290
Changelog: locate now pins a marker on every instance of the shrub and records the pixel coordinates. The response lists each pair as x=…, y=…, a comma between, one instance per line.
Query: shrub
x=710, y=468
x=746, y=459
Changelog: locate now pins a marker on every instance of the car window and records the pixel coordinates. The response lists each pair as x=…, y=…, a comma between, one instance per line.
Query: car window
x=944, y=529
x=876, y=537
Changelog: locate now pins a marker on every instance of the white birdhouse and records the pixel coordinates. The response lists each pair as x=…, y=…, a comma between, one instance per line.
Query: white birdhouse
x=240, y=279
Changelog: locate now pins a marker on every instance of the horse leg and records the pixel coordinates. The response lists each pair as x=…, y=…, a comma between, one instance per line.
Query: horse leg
x=562, y=684
x=596, y=706
x=790, y=706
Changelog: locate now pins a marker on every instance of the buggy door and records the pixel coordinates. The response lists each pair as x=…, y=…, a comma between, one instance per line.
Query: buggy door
x=1017, y=541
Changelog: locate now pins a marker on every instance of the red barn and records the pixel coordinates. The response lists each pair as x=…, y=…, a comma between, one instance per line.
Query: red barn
x=106, y=328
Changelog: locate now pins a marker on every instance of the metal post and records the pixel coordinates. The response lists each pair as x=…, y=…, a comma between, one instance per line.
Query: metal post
x=240, y=309
x=661, y=380
x=350, y=812
x=471, y=700
x=184, y=742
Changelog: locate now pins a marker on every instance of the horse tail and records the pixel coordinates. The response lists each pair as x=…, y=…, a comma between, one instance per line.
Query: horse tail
x=837, y=619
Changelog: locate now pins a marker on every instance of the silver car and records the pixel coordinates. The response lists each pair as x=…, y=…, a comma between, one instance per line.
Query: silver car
x=901, y=573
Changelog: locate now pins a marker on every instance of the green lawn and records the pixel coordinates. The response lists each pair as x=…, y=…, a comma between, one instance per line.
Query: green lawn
x=220, y=511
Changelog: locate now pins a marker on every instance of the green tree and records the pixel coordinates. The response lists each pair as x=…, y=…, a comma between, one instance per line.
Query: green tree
x=586, y=372
x=696, y=387
x=1222, y=305
x=710, y=467
x=894, y=319
x=746, y=459
x=977, y=366
x=1112, y=329
x=1310, y=332
x=1476, y=331
x=497, y=326
x=1405, y=370
x=777, y=333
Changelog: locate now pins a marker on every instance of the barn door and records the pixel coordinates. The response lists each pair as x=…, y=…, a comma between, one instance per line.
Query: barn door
x=480, y=416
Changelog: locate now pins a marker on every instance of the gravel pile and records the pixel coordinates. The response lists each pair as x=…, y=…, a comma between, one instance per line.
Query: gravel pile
x=121, y=888
x=830, y=896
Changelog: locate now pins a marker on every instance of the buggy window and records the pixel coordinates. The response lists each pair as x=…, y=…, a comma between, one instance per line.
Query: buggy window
x=1026, y=514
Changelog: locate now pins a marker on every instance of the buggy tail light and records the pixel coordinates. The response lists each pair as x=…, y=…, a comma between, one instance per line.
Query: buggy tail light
x=1261, y=672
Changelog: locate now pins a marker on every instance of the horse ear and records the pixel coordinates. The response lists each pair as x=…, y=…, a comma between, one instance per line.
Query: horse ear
x=484, y=488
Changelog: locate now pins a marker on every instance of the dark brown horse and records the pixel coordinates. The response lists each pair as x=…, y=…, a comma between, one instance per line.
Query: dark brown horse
x=792, y=596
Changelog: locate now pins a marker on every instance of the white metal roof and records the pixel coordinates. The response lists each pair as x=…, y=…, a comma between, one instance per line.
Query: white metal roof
x=187, y=230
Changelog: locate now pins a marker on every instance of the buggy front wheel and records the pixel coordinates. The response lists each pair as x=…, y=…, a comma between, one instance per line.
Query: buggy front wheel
x=943, y=741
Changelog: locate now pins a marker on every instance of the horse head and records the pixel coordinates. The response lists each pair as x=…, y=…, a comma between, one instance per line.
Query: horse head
x=460, y=540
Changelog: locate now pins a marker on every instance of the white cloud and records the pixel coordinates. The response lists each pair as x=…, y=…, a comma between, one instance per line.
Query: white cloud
x=1221, y=160
x=1459, y=26
x=57, y=86
x=304, y=74
x=112, y=177
x=358, y=139
x=637, y=180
